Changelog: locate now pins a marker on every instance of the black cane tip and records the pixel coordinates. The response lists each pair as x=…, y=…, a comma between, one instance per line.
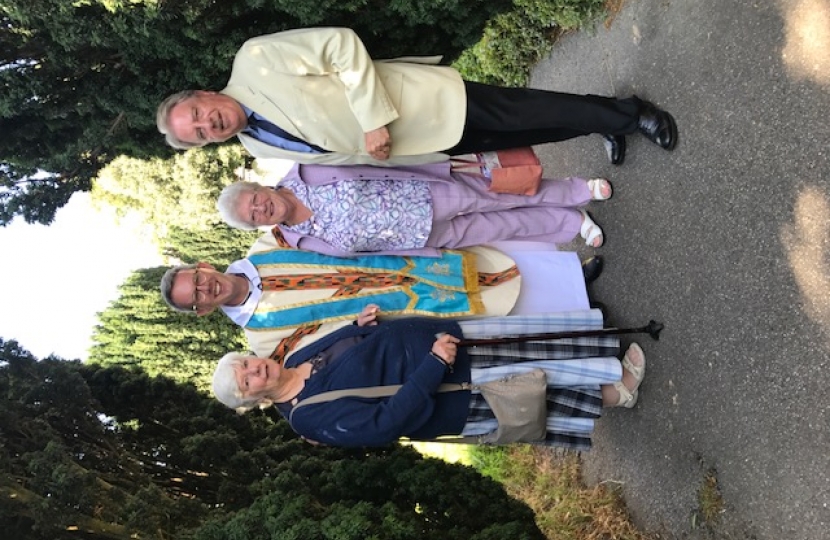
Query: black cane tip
x=654, y=328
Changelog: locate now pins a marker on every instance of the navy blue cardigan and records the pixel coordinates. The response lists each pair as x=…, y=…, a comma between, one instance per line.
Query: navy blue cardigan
x=395, y=352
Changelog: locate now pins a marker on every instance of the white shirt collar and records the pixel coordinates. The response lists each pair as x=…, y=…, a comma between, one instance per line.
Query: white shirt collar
x=242, y=313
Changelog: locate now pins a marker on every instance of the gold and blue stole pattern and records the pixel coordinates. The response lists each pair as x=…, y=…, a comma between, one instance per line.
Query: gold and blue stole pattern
x=442, y=287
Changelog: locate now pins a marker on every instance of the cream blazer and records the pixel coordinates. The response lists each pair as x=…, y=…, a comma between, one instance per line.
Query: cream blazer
x=320, y=85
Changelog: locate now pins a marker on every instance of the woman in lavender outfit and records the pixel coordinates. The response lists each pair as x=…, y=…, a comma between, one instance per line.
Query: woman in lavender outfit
x=409, y=210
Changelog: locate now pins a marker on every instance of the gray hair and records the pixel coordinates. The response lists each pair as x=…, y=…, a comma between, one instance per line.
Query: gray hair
x=227, y=204
x=225, y=388
x=167, y=281
x=163, y=119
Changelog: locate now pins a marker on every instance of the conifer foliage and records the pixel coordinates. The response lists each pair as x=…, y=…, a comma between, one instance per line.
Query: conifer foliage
x=93, y=452
x=139, y=329
x=81, y=80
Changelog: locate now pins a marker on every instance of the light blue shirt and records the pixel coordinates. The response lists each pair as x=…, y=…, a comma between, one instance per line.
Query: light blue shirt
x=272, y=139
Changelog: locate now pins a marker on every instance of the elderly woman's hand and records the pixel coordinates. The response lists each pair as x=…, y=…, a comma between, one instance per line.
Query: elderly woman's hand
x=445, y=348
x=369, y=315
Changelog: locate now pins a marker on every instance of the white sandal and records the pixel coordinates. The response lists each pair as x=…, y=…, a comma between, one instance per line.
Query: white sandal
x=590, y=231
x=637, y=371
x=628, y=397
x=596, y=185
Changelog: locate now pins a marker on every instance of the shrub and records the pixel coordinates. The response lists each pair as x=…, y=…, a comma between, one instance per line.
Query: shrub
x=513, y=42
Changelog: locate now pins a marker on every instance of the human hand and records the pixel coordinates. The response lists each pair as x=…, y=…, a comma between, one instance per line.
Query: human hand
x=369, y=315
x=445, y=348
x=378, y=143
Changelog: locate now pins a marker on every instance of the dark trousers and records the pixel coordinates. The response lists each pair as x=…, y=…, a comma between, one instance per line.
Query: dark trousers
x=500, y=118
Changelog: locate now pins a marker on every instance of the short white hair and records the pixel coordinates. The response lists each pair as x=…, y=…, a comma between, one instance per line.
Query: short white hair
x=227, y=204
x=163, y=119
x=224, y=384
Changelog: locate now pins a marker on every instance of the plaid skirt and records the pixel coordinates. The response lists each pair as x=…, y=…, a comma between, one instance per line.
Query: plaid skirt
x=575, y=368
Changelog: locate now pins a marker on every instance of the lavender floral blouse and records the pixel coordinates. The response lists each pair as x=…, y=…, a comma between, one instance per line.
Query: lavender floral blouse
x=366, y=215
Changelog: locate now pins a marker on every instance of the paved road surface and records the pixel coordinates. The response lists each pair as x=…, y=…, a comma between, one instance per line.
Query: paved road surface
x=725, y=240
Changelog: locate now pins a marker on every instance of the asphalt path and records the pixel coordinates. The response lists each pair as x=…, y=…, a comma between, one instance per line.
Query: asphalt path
x=725, y=240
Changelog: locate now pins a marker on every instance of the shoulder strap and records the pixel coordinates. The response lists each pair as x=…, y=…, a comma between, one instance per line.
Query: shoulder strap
x=368, y=392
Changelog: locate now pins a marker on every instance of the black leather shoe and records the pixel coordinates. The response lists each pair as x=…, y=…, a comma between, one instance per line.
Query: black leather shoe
x=657, y=125
x=592, y=268
x=615, y=148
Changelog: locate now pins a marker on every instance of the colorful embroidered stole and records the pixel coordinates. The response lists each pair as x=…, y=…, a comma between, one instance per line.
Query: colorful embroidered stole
x=305, y=291
x=445, y=287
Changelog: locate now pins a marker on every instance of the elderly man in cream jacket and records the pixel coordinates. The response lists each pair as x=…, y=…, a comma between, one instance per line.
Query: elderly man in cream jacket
x=316, y=96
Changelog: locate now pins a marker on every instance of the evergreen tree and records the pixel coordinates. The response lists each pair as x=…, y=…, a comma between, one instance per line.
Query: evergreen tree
x=139, y=329
x=179, y=191
x=111, y=453
x=64, y=473
x=176, y=197
x=394, y=495
x=81, y=80
x=220, y=245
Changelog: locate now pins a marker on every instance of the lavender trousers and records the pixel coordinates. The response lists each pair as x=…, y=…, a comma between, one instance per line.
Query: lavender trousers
x=465, y=213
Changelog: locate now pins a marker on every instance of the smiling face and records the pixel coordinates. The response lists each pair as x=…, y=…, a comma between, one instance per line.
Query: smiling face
x=204, y=289
x=257, y=377
x=263, y=206
x=206, y=117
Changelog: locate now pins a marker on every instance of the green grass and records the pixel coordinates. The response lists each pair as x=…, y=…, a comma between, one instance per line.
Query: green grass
x=549, y=482
x=451, y=453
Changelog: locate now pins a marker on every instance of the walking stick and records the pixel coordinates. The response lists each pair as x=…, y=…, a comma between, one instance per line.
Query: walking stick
x=653, y=329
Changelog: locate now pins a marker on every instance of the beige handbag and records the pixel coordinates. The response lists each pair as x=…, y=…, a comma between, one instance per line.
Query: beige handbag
x=520, y=405
x=518, y=401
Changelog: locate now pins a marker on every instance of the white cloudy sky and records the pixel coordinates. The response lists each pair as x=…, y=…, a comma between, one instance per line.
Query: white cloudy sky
x=56, y=278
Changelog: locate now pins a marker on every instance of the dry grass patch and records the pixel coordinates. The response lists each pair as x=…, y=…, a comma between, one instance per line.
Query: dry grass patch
x=550, y=483
x=710, y=499
x=612, y=7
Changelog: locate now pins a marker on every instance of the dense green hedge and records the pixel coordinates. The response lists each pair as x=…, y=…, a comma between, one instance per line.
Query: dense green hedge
x=514, y=41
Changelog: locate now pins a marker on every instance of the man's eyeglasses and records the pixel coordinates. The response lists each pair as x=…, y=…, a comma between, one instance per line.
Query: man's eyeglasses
x=254, y=207
x=199, y=279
